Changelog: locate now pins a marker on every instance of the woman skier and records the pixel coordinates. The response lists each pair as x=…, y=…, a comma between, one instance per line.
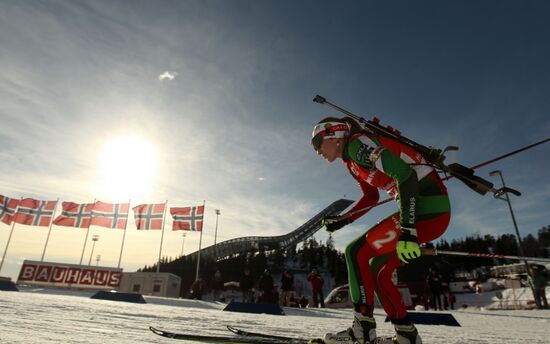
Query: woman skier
x=379, y=162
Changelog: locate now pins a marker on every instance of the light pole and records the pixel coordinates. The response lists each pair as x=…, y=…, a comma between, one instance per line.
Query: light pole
x=216, y=232
x=518, y=237
x=182, y=243
x=95, y=238
x=97, y=259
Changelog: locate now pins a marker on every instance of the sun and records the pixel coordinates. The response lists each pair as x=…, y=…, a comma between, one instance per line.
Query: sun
x=128, y=167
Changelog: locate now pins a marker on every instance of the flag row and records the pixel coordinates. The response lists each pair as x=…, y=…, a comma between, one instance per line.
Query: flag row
x=33, y=212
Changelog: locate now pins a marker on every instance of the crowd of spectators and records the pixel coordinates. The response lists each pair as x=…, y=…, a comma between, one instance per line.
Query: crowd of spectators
x=263, y=289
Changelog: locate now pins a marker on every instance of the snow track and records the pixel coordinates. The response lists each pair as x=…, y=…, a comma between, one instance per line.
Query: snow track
x=32, y=318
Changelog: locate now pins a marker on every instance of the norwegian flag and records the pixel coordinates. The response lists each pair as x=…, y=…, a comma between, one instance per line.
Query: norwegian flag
x=149, y=216
x=8, y=206
x=110, y=215
x=187, y=218
x=33, y=212
x=75, y=215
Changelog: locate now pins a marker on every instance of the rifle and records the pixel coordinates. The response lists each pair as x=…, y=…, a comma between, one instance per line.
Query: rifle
x=434, y=156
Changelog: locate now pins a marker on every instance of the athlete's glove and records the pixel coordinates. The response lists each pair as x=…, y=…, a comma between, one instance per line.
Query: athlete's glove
x=407, y=246
x=334, y=223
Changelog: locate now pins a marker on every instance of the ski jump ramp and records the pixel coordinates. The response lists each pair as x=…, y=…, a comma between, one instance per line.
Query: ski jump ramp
x=254, y=243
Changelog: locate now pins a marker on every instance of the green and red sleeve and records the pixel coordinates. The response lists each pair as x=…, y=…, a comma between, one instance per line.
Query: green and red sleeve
x=370, y=197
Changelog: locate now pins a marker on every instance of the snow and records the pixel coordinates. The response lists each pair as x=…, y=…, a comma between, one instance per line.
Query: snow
x=45, y=316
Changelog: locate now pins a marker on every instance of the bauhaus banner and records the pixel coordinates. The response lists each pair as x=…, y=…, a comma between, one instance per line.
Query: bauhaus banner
x=69, y=275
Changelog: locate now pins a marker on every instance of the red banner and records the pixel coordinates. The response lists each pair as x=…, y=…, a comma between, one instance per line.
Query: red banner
x=69, y=275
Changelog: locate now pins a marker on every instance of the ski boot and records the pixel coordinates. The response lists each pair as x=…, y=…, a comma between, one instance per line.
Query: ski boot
x=363, y=331
x=406, y=334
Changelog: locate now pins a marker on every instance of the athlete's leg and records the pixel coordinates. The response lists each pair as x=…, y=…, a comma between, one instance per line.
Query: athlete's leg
x=361, y=286
x=363, y=329
x=371, y=259
x=381, y=242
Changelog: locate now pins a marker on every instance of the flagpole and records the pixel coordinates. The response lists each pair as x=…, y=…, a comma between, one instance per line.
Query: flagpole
x=162, y=235
x=9, y=238
x=86, y=238
x=200, y=240
x=49, y=230
x=124, y=236
x=7, y=244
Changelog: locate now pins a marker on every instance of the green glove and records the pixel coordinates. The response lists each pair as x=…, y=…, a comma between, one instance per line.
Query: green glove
x=407, y=246
x=332, y=223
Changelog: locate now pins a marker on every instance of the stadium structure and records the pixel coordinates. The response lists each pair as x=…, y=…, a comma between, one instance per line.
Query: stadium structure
x=235, y=246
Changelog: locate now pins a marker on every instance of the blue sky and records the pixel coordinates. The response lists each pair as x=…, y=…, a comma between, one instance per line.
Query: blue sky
x=232, y=124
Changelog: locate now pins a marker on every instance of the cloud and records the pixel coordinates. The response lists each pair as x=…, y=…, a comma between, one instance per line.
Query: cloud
x=168, y=75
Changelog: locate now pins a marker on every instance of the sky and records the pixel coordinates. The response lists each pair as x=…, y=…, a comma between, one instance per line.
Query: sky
x=211, y=101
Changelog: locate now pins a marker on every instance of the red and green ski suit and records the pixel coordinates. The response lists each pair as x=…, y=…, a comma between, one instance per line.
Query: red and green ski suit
x=382, y=163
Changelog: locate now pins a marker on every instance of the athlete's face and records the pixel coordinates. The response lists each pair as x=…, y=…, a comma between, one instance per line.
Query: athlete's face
x=331, y=149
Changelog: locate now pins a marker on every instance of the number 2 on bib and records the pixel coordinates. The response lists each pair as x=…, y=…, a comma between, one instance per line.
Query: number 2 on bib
x=388, y=237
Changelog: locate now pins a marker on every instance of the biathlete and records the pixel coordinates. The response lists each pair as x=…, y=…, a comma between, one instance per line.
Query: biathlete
x=378, y=162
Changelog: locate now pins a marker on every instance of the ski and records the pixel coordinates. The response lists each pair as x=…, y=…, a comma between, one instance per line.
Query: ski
x=245, y=333
x=231, y=339
x=243, y=336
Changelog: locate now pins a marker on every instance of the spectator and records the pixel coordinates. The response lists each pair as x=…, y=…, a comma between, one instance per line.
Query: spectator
x=316, y=282
x=434, y=285
x=273, y=297
x=197, y=289
x=265, y=286
x=537, y=281
x=452, y=300
x=287, y=286
x=217, y=285
x=246, y=283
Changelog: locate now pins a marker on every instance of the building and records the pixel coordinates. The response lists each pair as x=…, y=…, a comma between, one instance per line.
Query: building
x=151, y=283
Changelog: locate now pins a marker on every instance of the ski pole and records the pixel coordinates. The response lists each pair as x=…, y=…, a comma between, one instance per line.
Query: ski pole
x=436, y=252
x=510, y=154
